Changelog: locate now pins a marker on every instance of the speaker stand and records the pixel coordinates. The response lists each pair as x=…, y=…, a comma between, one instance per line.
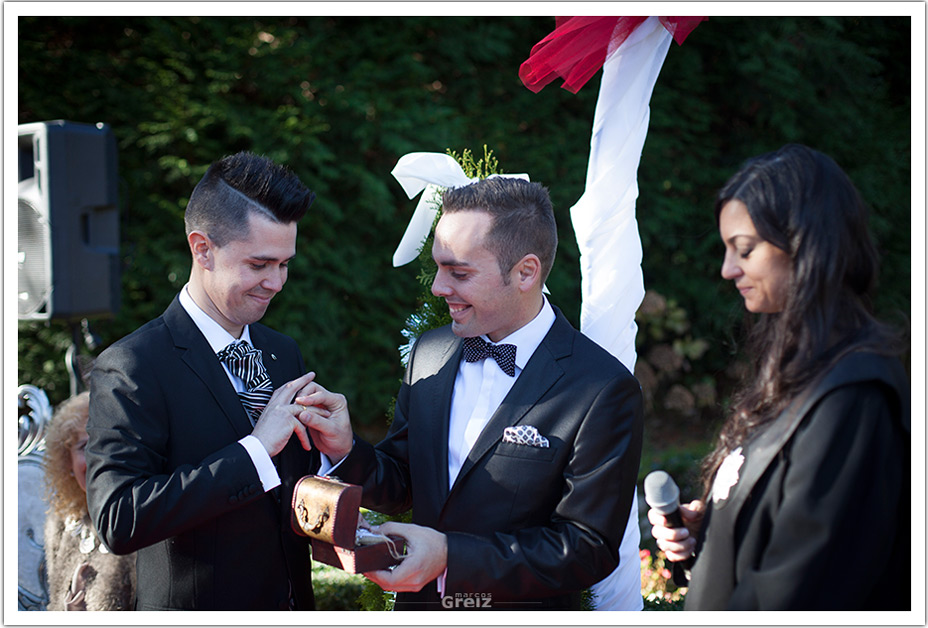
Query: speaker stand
x=72, y=362
x=80, y=334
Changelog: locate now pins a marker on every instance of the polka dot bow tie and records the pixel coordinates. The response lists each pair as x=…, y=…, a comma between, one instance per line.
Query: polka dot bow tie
x=476, y=349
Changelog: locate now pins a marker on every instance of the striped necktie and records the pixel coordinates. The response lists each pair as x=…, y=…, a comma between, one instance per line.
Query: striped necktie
x=244, y=361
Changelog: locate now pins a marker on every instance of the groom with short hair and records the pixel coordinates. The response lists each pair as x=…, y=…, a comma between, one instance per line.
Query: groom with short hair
x=516, y=440
x=195, y=444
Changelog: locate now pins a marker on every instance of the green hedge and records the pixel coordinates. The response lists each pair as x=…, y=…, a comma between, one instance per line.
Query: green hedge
x=340, y=99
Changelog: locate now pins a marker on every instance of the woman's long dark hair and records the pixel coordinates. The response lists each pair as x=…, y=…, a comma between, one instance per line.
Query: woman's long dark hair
x=803, y=203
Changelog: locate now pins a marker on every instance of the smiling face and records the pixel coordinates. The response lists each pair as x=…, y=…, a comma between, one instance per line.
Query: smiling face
x=234, y=284
x=469, y=279
x=761, y=272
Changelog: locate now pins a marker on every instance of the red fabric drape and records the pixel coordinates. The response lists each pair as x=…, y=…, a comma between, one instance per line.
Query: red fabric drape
x=579, y=46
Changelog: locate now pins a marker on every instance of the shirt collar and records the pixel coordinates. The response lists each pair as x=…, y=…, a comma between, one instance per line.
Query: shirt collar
x=217, y=337
x=529, y=336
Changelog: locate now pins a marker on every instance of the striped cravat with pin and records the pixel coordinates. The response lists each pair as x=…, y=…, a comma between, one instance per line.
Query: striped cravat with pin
x=244, y=361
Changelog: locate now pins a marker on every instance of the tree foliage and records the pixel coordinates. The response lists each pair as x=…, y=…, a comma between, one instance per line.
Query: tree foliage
x=340, y=99
x=840, y=85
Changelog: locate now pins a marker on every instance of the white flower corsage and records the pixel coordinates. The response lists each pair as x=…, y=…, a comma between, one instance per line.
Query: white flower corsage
x=727, y=475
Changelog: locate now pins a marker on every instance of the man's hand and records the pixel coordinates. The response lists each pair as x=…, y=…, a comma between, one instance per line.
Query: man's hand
x=326, y=416
x=280, y=418
x=426, y=558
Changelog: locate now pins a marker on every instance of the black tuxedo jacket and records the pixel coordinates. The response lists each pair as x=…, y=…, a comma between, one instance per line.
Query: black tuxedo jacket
x=527, y=527
x=819, y=518
x=167, y=478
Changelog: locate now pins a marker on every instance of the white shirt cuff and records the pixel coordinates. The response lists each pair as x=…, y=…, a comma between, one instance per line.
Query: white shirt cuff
x=325, y=466
x=440, y=581
x=267, y=472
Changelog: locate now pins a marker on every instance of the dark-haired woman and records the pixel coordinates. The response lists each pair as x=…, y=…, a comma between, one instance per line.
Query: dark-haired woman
x=806, y=500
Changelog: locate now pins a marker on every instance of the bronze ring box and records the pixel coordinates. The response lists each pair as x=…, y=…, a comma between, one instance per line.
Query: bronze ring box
x=326, y=510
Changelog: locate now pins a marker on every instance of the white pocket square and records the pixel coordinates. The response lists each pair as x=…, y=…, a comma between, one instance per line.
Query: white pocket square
x=524, y=435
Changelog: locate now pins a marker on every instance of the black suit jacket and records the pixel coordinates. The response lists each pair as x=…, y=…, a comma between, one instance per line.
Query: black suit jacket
x=167, y=478
x=819, y=518
x=529, y=527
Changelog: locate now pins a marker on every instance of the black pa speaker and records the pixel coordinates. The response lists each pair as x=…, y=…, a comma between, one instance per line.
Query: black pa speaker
x=68, y=253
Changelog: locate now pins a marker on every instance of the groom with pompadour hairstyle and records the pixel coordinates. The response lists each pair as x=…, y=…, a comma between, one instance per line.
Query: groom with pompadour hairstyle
x=516, y=440
x=195, y=444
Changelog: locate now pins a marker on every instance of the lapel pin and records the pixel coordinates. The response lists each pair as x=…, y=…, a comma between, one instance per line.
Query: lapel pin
x=273, y=357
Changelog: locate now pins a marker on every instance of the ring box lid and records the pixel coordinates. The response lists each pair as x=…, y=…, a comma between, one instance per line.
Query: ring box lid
x=326, y=509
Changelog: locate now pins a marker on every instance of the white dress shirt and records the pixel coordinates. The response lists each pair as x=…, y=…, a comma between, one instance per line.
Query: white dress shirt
x=218, y=339
x=480, y=387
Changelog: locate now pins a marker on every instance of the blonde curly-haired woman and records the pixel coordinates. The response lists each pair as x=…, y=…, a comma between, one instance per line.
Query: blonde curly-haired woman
x=82, y=573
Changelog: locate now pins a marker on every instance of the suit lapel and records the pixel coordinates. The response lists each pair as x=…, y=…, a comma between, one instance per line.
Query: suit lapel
x=279, y=372
x=541, y=373
x=762, y=449
x=436, y=373
x=198, y=356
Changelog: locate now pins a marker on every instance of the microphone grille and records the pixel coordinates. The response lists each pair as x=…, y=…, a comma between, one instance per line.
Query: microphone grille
x=661, y=492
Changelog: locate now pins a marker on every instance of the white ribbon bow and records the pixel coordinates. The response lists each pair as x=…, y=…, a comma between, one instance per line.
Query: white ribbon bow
x=430, y=172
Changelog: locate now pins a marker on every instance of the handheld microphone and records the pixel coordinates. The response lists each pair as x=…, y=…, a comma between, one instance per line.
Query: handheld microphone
x=662, y=494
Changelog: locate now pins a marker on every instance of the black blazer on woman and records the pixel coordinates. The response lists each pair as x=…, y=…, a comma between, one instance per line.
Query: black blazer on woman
x=166, y=476
x=819, y=518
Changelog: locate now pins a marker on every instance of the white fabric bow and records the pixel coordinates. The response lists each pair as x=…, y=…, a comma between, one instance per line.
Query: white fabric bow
x=430, y=172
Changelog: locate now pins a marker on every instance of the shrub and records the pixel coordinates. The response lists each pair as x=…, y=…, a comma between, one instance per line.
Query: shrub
x=657, y=587
x=336, y=590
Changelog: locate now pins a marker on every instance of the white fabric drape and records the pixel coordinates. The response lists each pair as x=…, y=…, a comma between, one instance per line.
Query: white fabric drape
x=612, y=284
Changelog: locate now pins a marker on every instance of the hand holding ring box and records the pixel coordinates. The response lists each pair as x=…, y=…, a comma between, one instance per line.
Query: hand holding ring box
x=326, y=510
